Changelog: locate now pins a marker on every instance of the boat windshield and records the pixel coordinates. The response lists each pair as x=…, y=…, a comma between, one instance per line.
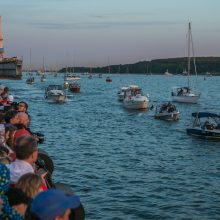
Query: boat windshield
x=54, y=87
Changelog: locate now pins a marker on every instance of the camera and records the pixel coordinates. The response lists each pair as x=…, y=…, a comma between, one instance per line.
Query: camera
x=39, y=137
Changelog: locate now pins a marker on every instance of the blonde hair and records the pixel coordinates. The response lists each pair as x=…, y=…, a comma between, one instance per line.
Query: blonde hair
x=30, y=184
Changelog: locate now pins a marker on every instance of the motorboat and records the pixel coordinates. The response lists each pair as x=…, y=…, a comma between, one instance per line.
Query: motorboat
x=121, y=93
x=167, y=73
x=108, y=79
x=30, y=80
x=167, y=112
x=205, y=125
x=55, y=93
x=74, y=87
x=90, y=76
x=134, y=98
x=68, y=77
x=43, y=78
x=185, y=94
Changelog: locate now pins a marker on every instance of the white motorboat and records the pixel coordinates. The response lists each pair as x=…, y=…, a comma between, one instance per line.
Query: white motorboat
x=55, y=93
x=121, y=93
x=30, y=80
x=43, y=78
x=167, y=112
x=185, y=94
x=134, y=99
x=69, y=77
x=167, y=73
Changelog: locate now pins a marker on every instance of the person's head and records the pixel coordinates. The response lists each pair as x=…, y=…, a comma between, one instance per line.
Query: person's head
x=11, y=116
x=26, y=149
x=22, y=106
x=9, y=135
x=30, y=184
x=53, y=204
x=18, y=200
x=6, y=89
x=23, y=119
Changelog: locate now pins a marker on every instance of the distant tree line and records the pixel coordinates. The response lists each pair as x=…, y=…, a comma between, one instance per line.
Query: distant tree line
x=173, y=65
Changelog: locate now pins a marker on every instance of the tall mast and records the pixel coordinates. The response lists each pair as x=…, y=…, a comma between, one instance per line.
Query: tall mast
x=30, y=63
x=43, y=65
x=189, y=41
x=1, y=41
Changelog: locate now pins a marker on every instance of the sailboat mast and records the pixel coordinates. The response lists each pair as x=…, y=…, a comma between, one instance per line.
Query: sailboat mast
x=189, y=40
x=30, y=63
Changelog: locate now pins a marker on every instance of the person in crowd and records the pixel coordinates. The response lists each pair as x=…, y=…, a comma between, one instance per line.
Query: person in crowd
x=18, y=200
x=4, y=95
x=52, y=204
x=30, y=184
x=22, y=107
x=11, y=117
x=22, y=125
x=6, y=211
x=26, y=151
x=6, y=139
x=9, y=136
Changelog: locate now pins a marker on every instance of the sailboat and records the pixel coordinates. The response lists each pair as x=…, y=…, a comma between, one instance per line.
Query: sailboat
x=185, y=94
x=108, y=78
x=43, y=76
x=30, y=79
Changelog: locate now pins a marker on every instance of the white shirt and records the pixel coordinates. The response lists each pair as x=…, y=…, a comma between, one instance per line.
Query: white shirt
x=18, y=168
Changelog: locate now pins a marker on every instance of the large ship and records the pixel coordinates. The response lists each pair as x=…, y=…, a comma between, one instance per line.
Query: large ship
x=10, y=68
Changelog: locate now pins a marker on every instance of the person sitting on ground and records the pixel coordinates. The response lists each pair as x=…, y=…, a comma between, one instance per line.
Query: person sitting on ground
x=18, y=200
x=30, y=184
x=52, y=204
x=26, y=155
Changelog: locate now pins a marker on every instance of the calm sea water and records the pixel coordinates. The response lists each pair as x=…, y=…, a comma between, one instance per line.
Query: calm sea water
x=125, y=164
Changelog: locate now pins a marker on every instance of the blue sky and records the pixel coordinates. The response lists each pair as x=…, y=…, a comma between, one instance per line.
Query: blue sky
x=91, y=32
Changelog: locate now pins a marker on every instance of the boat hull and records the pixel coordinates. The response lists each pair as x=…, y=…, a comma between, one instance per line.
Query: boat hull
x=191, y=98
x=203, y=133
x=136, y=104
x=74, y=89
x=174, y=116
x=56, y=98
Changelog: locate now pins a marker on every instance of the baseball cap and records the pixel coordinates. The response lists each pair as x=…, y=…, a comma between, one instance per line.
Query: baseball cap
x=51, y=203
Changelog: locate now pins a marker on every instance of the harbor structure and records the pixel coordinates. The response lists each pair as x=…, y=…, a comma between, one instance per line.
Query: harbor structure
x=10, y=68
